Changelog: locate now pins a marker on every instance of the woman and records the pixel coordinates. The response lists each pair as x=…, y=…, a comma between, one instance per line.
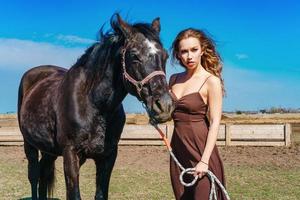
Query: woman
x=197, y=91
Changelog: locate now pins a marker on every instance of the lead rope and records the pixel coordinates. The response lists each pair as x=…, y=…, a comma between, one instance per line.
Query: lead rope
x=213, y=179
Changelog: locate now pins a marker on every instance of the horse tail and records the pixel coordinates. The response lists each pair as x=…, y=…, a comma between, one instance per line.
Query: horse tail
x=51, y=180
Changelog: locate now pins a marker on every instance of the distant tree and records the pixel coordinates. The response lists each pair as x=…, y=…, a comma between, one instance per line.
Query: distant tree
x=279, y=110
x=238, y=112
x=263, y=111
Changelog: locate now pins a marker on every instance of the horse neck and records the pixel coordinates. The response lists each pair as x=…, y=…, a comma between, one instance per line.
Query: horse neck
x=107, y=90
x=98, y=77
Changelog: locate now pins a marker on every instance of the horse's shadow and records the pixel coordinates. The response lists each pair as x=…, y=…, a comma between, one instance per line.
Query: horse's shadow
x=29, y=198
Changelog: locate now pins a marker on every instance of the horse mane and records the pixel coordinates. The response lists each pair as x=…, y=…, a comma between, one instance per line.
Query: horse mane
x=106, y=51
x=147, y=31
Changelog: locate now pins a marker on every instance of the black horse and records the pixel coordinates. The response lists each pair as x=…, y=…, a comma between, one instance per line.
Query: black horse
x=78, y=113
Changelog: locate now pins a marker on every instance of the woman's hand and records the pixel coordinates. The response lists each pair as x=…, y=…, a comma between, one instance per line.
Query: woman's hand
x=201, y=169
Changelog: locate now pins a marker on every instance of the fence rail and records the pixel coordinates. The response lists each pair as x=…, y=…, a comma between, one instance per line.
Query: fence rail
x=229, y=134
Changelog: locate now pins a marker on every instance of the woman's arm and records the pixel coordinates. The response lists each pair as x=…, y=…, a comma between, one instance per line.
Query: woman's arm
x=215, y=113
x=215, y=98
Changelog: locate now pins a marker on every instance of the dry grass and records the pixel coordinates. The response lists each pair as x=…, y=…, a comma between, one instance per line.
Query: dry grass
x=260, y=173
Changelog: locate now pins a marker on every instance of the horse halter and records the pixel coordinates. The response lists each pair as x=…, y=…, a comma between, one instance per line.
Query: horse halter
x=138, y=84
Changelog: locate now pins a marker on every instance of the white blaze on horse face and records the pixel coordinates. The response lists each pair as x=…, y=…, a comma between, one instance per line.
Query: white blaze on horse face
x=151, y=46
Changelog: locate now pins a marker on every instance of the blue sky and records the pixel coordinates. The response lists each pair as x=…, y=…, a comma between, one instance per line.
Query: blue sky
x=258, y=41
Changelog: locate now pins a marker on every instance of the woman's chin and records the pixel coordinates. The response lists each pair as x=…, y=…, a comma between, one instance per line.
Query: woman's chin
x=191, y=66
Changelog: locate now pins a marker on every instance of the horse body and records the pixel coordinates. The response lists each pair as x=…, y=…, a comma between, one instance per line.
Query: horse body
x=77, y=113
x=58, y=105
x=37, y=94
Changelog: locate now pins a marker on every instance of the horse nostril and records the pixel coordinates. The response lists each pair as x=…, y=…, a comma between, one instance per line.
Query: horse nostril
x=158, y=105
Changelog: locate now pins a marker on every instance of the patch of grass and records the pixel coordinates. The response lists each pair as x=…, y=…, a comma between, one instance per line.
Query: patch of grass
x=263, y=182
x=140, y=184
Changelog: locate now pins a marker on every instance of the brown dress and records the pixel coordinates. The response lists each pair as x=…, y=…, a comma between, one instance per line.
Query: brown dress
x=188, y=142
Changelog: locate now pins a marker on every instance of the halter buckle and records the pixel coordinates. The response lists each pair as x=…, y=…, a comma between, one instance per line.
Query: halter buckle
x=139, y=85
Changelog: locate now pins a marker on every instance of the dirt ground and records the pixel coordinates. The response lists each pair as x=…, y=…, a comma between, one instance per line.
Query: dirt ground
x=156, y=158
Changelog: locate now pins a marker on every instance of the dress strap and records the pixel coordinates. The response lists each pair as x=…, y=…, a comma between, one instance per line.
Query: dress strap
x=204, y=82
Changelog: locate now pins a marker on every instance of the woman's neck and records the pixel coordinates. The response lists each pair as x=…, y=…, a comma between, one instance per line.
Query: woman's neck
x=196, y=70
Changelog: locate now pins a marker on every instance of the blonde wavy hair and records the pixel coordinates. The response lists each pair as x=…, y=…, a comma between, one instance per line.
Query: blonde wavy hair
x=211, y=60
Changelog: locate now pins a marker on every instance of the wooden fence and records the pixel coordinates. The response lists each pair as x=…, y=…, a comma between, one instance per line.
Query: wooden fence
x=229, y=134
x=295, y=137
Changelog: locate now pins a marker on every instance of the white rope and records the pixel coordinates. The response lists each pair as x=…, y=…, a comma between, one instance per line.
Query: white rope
x=213, y=179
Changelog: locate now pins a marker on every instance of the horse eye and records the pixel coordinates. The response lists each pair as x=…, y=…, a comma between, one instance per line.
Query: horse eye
x=135, y=58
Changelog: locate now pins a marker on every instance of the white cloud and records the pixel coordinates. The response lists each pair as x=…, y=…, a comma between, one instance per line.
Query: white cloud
x=74, y=39
x=241, y=56
x=253, y=90
x=23, y=54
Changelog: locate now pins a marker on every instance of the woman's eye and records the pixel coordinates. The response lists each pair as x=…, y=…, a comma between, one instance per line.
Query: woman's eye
x=183, y=51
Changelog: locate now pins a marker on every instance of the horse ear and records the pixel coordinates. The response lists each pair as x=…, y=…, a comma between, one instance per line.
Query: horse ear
x=156, y=24
x=125, y=28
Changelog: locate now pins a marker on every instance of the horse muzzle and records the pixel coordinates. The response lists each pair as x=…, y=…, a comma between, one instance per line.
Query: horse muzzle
x=160, y=110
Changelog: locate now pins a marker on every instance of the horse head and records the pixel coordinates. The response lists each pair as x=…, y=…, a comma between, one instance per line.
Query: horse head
x=143, y=66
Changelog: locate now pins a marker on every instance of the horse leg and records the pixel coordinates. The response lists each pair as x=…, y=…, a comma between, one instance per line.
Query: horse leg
x=71, y=171
x=47, y=176
x=32, y=156
x=105, y=165
x=104, y=168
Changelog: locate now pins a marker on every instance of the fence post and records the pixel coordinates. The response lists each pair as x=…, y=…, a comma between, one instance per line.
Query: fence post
x=228, y=134
x=287, y=134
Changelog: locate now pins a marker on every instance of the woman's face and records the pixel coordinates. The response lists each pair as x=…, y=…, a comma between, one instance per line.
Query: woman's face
x=190, y=52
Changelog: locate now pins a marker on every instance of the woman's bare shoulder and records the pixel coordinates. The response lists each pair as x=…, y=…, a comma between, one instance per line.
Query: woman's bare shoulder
x=174, y=77
x=213, y=81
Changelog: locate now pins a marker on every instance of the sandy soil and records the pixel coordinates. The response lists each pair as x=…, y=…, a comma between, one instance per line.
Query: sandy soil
x=156, y=158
